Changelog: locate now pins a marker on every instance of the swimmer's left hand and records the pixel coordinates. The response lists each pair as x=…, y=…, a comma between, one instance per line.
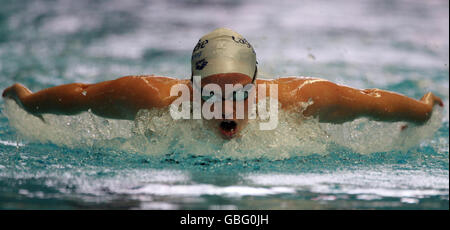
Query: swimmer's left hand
x=431, y=99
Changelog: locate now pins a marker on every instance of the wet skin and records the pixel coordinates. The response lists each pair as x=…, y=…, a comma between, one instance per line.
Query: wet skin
x=124, y=97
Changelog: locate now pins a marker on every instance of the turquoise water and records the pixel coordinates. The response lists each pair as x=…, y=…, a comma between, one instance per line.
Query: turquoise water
x=84, y=162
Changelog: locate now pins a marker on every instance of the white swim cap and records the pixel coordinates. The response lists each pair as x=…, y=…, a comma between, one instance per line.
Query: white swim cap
x=223, y=51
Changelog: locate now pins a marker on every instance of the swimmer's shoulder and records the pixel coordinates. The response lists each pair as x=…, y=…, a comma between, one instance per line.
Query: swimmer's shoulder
x=153, y=89
x=292, y=90
x=290, y=80
x=156, y=80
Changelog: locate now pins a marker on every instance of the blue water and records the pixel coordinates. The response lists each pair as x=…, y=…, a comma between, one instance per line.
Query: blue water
x=84, y=162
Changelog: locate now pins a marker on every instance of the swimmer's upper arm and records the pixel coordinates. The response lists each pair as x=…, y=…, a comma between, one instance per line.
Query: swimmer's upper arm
x=124, y=97
x=332, y=102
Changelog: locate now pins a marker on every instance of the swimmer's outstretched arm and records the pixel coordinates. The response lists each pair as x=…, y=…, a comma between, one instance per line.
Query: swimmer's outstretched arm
x=337, y=104
x=118, y=99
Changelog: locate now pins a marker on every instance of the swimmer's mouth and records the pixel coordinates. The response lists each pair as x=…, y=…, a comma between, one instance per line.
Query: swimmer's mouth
x=228, y=128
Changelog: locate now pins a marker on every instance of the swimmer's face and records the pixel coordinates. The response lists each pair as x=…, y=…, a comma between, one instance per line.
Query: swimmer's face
x=229, y=125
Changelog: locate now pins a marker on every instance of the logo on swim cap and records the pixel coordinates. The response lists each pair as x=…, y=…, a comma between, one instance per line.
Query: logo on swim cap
x=201, y=64
x=223, y=51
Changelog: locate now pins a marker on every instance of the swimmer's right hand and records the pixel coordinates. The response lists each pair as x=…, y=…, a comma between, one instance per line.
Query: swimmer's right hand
x=15, y=91
x=9, y=92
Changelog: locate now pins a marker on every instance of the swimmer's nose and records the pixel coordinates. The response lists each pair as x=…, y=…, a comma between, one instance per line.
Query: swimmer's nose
x=227, y=116
x=228, y=125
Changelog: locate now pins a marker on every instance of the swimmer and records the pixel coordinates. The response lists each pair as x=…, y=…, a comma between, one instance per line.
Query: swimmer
x=224, y=57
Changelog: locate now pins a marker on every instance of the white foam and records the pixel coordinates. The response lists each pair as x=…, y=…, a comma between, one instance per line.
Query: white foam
x=155, y=132
x=364, y=136
x=11, y=143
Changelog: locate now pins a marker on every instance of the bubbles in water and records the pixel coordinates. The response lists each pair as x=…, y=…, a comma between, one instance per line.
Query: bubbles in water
x=85, y=129
x=155, y=132
x=365, y=136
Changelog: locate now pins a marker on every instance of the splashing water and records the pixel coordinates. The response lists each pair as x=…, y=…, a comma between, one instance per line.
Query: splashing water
x=154, y=132
x=85, y=161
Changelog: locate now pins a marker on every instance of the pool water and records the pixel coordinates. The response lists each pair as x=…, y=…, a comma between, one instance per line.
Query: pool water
x=88, y=162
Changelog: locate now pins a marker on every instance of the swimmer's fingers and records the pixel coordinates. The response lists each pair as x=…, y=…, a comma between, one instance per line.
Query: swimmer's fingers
x=432, y=99
x=438, y=100
x=16, y=92
x=10, y=92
